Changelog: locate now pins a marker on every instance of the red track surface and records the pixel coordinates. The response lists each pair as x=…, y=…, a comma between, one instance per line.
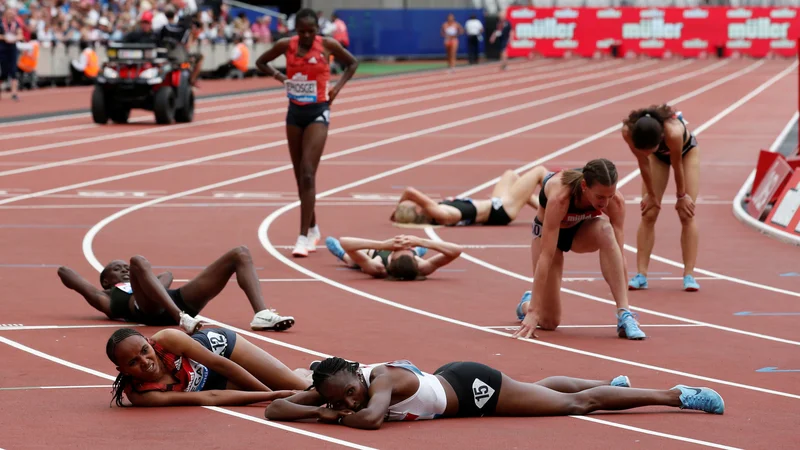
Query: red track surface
x=48, y=214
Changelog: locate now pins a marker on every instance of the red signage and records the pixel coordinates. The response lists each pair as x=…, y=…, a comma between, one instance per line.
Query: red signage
x=785, y=215
x=657, y=32
x=775, y=177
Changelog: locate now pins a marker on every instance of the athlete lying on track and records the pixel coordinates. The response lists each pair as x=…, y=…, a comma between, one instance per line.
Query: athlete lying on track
x=399, y=258
x=365, y=396
x=573, y=203
x=213, y=367
x=154, y=303
x=510, y=194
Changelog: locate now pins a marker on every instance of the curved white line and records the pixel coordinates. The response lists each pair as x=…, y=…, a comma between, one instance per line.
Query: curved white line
x=744, y=217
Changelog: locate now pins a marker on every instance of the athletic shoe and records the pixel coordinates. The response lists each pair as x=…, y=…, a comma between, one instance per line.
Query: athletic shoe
x=269, y=320
x=189, y=324
x=621, y=381
x=421, y=251
x=526, y=297
x=689, y=284
x=628, y=327
x=335, y=247
x=701, y=399
x=314, y=236
x=300, y=247
x=639, y=281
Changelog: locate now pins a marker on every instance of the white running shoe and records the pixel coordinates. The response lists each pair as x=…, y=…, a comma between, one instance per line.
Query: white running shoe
x=300, y=247
x=314, y=236
x=269, y=319
x=190, y=324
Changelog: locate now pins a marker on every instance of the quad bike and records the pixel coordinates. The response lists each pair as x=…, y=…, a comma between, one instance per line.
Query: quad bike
x=142, y=76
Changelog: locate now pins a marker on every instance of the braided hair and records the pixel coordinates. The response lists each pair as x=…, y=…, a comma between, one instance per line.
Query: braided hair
x=646, y=125
x=328, y=368
x=123, y=380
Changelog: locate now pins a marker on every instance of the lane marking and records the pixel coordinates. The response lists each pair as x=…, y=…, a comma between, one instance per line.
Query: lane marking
x=105, y=376
x=363, y=125
x=31, y=388
x=360, y=84
x=264, y=238
x=282, y=110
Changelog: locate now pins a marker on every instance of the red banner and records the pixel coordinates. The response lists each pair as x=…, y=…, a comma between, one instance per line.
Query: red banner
x=657, y=32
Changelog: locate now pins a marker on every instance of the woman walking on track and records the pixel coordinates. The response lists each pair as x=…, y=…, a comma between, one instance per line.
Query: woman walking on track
x=569, y=218
x=365, y=396
x=451, y=30
x=213, y=367
x=659, y=138
x=310, y=98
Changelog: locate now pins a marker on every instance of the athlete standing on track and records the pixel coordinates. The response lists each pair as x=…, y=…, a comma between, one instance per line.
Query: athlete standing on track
x=659, y=138
x=569, y=218
x=306, y=80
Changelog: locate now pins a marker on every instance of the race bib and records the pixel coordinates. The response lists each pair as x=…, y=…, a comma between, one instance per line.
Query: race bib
x=124, y=287
x=11, y=38
x=537, y=229
x=302, y=91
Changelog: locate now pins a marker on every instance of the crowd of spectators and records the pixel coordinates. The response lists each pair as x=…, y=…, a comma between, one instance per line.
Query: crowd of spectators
x=99, y=21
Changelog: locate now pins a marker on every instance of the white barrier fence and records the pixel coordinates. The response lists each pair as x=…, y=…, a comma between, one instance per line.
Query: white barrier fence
x=54, y=61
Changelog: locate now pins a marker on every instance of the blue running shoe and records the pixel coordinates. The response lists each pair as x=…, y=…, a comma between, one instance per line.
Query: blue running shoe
x=701, y=399
x=627, y=326
x=639, y=281
x=621, y=381
x=335, y=247
x=421, y=251
x=526, y=297
x=689, y=284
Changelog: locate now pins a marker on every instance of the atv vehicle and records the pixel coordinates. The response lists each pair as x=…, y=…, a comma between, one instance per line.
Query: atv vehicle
x=142, y=76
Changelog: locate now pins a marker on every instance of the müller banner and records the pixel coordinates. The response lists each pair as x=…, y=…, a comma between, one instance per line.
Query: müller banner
x=658, y=32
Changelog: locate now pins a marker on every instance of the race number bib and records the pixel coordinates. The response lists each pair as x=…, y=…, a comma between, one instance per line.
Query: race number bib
x=124, y=287
x=11, y=38
x=537, y=229
x=302, y=91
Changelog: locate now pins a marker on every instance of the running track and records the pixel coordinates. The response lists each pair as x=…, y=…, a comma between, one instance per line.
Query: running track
x=80, y=195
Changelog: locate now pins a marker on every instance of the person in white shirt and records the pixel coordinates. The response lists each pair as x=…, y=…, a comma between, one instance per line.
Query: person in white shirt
x=474, y=29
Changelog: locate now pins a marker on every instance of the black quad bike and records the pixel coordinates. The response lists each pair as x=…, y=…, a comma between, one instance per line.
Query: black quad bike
x=142, y=76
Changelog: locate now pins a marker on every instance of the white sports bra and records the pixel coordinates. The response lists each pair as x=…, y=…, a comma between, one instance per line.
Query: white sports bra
x=429, y=402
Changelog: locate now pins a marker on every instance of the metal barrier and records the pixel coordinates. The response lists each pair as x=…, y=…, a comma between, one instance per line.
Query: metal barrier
x=54, y=61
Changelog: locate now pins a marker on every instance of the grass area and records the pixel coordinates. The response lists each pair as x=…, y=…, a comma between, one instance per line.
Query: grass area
x=381, y=68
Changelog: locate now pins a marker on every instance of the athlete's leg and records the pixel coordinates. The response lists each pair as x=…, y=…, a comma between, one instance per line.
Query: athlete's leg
x=268, y=369
x=689, y=232
x=213, y=279
x=549, y=307
x=521, y=191
x=529, y=399
x=570, y=385
x=597, y=235
x=646, y=235
x=151, y=296
x=314, y=138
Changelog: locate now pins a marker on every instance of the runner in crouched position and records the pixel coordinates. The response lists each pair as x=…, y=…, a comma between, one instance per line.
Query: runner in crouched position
x=569, y=218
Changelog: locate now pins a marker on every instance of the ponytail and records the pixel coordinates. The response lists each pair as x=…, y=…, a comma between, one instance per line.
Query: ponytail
x=646, y=125
x=600, y=170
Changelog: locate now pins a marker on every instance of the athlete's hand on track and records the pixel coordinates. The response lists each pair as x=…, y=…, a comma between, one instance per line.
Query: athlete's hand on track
x=328, y=415
x=528, y=326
